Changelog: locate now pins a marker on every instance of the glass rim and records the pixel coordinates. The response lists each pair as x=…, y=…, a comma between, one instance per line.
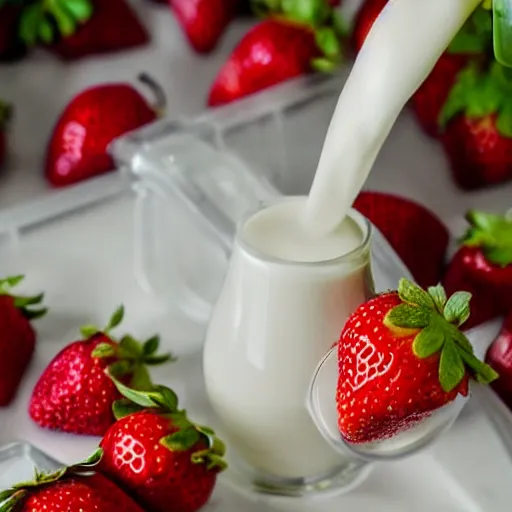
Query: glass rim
x=362, y=222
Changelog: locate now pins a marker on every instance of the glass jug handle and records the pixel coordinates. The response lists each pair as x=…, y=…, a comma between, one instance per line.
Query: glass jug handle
x=167, y=280
x=502, y=31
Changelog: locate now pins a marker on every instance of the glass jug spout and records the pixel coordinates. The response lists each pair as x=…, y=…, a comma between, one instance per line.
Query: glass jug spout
x=502, y=29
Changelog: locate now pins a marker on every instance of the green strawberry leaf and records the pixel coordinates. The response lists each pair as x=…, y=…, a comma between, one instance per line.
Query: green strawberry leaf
x=328, y=42
x=310, y=12
x=87, y=331
x=81, y=10
x=159, y=359
x=504, y=120
x=324, y=65
x=121, y=368
x=31, y=17
x=65, y=21
x=483, y=372
x=438, y=295
x=130, y=348
x=456, y=310
x=412, y=294
x=124, y=407
x=104, y=351
x=151, y=346
x=115, y=319
x=429, y=341
x=493, y=234
x=408, y=317
x=451, y=367
x=182, y=440
x=22, y=302
x=140, y=378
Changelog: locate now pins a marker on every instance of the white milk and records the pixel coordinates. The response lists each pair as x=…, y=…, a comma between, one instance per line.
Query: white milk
x=399, y=52
x=277, y=316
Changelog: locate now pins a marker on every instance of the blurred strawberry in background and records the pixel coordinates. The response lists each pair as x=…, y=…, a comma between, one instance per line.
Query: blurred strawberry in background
x=294, y=39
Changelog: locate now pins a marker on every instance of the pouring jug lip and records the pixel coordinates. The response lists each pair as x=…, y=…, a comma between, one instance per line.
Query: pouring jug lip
x=361, y=221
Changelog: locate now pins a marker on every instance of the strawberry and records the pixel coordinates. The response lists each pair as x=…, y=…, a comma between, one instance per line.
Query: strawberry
x=499, y=356
x=111, y=27
x=477, y=127
x=156, y=453
x=472, y=43
x=204, y=21
x=17, y=337
x=5, y=117
x=402, y=356
x=79, y=142
x=74, y=394
x=365, y=18
x=429, y=99
x=416, y=234
x=75, y=488
x=485, y=259
x=288, y=44
x=486, y=304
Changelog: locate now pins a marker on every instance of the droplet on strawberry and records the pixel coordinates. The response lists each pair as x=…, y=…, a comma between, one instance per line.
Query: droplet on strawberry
x=157, y=453
x=17, y=337
x=74, y=394
x=71, y=488
x=402, y=356
x=92, y=120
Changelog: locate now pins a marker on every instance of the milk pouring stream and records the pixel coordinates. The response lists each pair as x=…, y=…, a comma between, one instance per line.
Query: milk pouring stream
x=301, y=266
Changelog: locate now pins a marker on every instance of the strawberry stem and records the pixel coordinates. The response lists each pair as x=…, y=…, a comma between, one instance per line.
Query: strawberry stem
x=160, y=104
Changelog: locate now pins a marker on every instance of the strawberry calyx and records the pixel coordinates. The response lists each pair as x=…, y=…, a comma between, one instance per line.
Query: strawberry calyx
x=493, y=234
x=479, y=93
x=130, y=357
x=436, y=320
x=6, y=112
x=12, y=499
x=476, y=36
x=187, y=435
x=47, y=20
x=30, y=306
x=323, y=19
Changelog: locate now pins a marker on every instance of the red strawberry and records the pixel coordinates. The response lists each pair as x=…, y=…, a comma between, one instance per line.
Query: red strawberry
x=204, y=21
x=499, y=356
x=416, y=234
x=113, y=27
x=365, y=18
x=487, y=256
x=17, y=337
x=278, y=49
x=429, y=99
x=477, y=127
x=486, y=305
x=74, y=394
x=5, y=117
x=79, y=142
x=158, y=455
x=75, y=488
x=401, y=356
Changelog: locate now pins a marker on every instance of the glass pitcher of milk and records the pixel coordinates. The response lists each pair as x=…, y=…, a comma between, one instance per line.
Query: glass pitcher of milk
x=284, y=302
